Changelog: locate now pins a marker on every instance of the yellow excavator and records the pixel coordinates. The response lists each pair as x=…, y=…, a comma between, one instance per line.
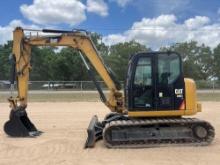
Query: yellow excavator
x=148, y=113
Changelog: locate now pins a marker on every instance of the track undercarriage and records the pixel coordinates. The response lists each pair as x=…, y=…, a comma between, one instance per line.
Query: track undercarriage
x=120, y=131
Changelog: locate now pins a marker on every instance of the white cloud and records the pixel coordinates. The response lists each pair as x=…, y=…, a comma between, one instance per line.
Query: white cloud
x=114, y=38
x=122, y=3
x=165, y=30
x=55, y=11
x=98, y=7
x=197, y=22
x=6, y=32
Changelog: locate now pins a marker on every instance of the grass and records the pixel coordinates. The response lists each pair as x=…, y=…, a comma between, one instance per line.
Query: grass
x=64, y=97
x=209, y=96
x=93, y=97
x=58, y=97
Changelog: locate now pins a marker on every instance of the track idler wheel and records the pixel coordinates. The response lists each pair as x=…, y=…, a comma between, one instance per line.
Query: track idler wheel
x=204, y=132
x=19, y=125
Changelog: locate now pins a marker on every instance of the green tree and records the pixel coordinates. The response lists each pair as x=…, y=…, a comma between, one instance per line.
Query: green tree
x=5, y=51
x=216, y=62
x=205, y=61
x=199, y=61
x=196, y=59
x=42, y=60
x=68, y=66
x=119, y=55
x=101, y=47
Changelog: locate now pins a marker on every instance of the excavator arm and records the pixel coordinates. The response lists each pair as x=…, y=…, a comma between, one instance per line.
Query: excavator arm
x=19, y=123
x=79, y=40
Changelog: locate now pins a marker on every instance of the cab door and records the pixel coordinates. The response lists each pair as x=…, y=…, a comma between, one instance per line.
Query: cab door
x=141, y=92
x=169, y=82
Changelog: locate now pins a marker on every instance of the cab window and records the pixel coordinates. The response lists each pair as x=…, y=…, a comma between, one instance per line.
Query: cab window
x=168, y=68
x=143, y=72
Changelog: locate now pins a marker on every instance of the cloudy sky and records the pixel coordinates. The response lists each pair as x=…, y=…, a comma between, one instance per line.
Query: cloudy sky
x=154, y=23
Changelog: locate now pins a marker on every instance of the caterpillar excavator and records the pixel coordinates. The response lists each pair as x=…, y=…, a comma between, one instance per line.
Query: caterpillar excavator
x=150, y=112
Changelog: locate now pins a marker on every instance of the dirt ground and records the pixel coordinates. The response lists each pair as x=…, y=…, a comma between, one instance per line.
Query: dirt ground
x=64, y=126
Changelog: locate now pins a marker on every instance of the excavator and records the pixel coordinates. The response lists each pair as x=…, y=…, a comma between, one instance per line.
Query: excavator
x=150, y=112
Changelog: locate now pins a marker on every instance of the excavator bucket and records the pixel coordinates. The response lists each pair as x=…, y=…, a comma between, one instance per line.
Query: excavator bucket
x=19, y=125
x=94, y=132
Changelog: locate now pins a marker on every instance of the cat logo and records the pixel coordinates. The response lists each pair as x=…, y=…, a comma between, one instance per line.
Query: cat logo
x=178, y=91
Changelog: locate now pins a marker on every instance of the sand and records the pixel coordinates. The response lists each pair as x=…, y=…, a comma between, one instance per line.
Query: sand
x=64, y=126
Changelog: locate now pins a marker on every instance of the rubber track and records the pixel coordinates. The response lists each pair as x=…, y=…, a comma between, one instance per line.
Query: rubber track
x=188, y=122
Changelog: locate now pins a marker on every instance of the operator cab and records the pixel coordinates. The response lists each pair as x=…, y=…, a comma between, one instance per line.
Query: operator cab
x=155, y=82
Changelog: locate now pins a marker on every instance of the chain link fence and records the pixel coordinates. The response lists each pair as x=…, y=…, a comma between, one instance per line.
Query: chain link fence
x=203, y=84
x=57, y=85
x=86, y=90
x=89, y=85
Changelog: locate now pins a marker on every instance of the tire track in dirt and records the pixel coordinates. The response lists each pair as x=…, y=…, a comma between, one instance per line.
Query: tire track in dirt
x=49, y=147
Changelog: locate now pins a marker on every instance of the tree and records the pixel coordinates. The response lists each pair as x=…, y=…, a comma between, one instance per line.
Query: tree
x=199, y=61
x=5, y=51
x=205, y=59
x=216, y=62
x=119, y=55
x=101, y=47
x=196, y=59
x=42, y=60
x=68, y=66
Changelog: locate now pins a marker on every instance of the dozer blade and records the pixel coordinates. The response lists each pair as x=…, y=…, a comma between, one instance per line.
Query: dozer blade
x=94, y=132
x=19, y=125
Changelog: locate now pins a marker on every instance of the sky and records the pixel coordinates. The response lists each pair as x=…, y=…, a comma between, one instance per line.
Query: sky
x=154, y=23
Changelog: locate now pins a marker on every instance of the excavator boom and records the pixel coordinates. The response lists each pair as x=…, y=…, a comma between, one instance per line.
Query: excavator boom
x=19, y=123
x=79, y=40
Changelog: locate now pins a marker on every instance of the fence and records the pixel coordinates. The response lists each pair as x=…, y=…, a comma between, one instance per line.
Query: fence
x=57, y=85
x=89, y=85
